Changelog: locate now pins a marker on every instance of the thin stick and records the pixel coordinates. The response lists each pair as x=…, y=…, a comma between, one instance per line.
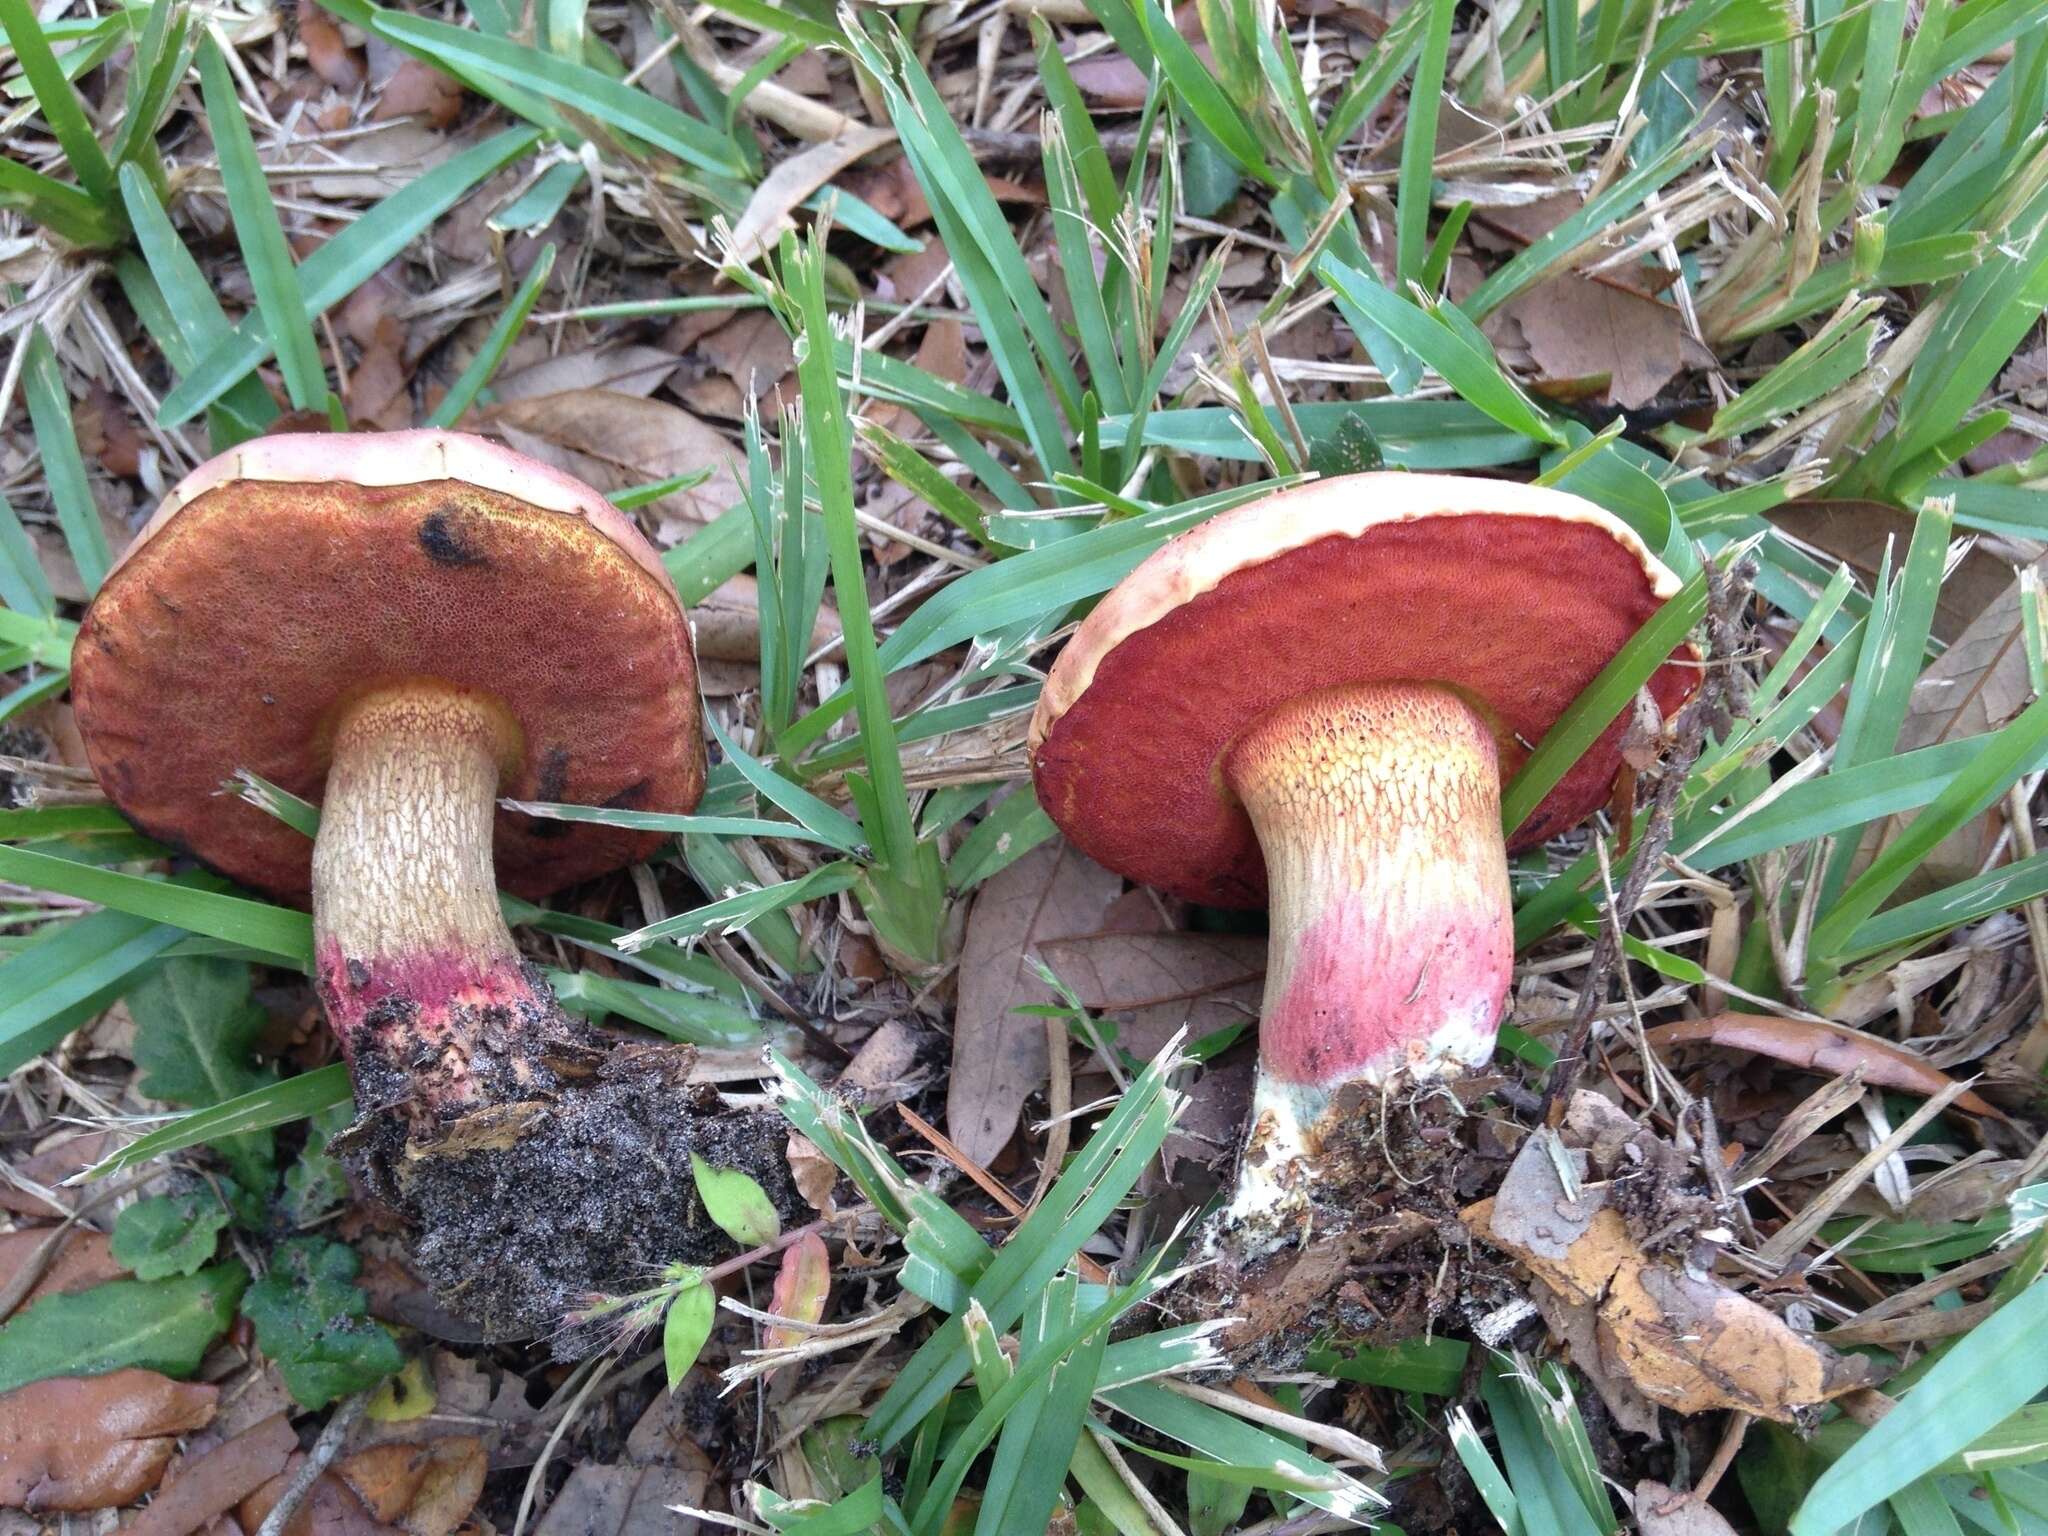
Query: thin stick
x=547, y=1451
x=1727, y=595
x=1724, y=1458
x=1091, y=1271
x=325, y=1449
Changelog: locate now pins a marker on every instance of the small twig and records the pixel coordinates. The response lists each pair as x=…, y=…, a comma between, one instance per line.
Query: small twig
x=547, y=1451
x=1727, y=594
x=1091, y=1271
x=325, y=1449
x=769, y=1249
x=1724, y=1458
x=1119, y=144
x=729, y=956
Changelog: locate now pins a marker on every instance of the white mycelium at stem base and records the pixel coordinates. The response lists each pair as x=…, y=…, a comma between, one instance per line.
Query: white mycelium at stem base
x=1377, y=808
x=413, y=956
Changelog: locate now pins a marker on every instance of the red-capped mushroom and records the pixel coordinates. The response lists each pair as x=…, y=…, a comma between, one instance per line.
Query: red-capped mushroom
x=1317, y=696
x=405, y=627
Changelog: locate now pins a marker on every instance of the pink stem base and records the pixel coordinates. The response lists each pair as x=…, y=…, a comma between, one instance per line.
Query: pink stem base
x=1392, y=948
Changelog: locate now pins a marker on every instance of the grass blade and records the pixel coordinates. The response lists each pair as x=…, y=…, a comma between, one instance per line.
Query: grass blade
x=274, y=1104
x=491, y=355
x=1418, y=139
x=49, y=409
x=1987, y=1376
x=272, y=272
x=276, y=931
x=346, y=262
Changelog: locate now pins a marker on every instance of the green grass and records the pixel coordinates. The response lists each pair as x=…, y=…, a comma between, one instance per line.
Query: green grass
x=1862, y=329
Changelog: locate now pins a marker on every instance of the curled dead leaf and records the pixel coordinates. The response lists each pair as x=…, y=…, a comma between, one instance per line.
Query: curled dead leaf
x=803, y=1283
x=94, y=1442
x=813, y=1173
x=1661, y=1511
x=782, y=190
x=1682, y=1339
x=1829, y=1049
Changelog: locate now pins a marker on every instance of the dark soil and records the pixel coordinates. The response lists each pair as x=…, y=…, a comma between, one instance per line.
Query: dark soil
x=524, y=1212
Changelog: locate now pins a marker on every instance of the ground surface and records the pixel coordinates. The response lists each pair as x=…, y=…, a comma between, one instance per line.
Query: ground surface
x=1742, y=1231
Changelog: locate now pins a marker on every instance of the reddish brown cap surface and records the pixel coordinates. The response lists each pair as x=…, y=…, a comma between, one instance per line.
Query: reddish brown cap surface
x=1512, y=595
x=285, y=576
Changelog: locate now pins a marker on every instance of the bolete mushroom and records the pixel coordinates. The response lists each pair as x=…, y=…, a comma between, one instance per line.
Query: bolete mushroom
x=404, y=627
x=1316, y=696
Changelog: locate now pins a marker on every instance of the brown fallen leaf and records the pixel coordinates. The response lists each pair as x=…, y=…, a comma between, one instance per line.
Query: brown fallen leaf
x=1579, y=327
x=612, y=440
x=727, y=623
x=1112, y=81
x=330, y=1508
x=885, y=1068
x=668, y=1435
x=891, y=189
x=94, y=1442
x=624, y=1501
x=491, y=1405
x=1687, y=1342
x=813, y=1173
x=108, y=435
x=378, y=396
x=425, y=1489
x=1829, y=1049
x=1695, y=1346
x=1577, y=1329
x=750, y=356
x=328, y=52
x=419, y=90
x=1157, y=983
x=1152, y=984
x=211, y=1485
x=942, y=351
x=999, y=1056
x=1857, y=533
x=625, y=370
x=1975, y=686
x=81, y=1259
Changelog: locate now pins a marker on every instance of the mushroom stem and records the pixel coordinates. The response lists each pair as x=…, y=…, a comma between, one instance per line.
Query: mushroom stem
x=1377, y=808
x=414, y=962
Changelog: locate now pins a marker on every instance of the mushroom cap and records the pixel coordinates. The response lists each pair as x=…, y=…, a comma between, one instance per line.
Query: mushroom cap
x=283, y=578
x=1512, y=596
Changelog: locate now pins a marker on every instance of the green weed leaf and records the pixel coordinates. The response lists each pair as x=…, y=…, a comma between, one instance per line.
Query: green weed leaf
x=168, y=1235
x=313, y=1321
x=739, y=1205
x=688, y=1325
x=157, y=1325
x=195, y=1028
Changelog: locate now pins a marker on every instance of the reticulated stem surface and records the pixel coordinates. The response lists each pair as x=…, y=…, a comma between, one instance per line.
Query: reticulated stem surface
x=410, y=946
x=1378, y=811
